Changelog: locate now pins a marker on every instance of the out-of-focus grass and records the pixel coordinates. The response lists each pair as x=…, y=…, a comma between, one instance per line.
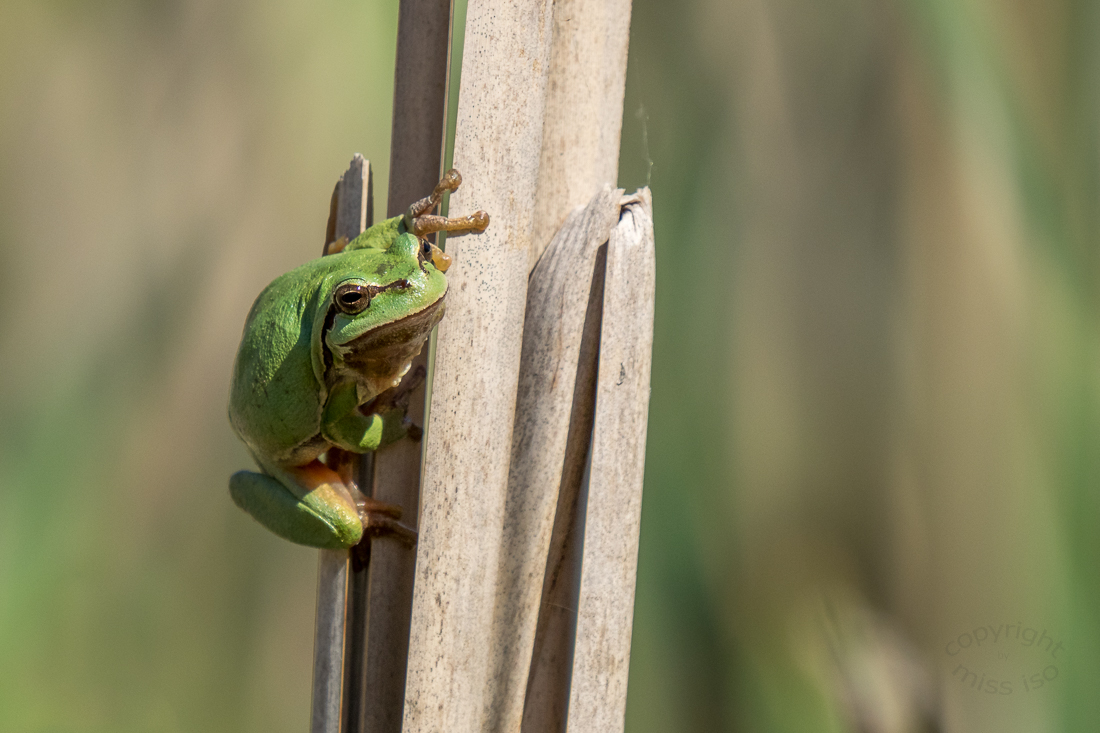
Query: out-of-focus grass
x=159, y=164
x=875, y=411
x=874, y=419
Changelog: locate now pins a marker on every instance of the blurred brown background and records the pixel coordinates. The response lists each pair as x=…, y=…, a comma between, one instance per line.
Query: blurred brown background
x=875, y=423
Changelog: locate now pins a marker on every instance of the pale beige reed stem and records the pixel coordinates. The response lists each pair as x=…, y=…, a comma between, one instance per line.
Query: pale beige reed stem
x=497, y=147
x=416, y=162
x=353, y=204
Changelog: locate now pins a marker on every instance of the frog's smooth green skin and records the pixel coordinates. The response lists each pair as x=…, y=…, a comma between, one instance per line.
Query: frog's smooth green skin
x=324, y=349
x=319, y=342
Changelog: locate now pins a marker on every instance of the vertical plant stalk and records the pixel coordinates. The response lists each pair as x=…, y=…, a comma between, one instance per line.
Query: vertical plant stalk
x=351, y=214
x=584, y=110
x=566, y=297
x=552, y=428
x=579, y=155
x=613, y=505
x=416, y=161
x=497, y=148
x=328, y=643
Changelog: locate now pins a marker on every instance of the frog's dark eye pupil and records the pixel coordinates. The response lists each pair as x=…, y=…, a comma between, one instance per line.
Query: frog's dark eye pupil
x=352, y=298
x=426, y=248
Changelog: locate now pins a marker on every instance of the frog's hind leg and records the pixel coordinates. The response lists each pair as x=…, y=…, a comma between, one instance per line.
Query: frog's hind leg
x=379, y=518
x=309, y=506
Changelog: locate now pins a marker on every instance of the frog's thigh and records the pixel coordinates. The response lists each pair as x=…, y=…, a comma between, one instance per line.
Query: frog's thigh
x=323, y=517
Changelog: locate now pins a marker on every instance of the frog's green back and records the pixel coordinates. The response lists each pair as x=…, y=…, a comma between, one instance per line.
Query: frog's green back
x=378, y=236
x=275, y=398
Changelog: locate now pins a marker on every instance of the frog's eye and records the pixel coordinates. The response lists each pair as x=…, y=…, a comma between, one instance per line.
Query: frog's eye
x=352, y=298
x=425, y=249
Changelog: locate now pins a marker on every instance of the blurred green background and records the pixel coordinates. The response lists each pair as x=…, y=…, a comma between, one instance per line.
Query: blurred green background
x=875, y=423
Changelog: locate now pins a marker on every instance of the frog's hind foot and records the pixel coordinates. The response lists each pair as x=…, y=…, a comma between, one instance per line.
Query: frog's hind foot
x=382, y=519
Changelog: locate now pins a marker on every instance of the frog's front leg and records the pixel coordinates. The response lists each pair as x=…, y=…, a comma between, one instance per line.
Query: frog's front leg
x=344, y=425
x=421, y=222
x=306, y=504
x=379, y=422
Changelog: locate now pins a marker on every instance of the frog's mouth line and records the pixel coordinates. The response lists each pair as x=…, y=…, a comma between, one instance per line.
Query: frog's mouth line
x=387, y=349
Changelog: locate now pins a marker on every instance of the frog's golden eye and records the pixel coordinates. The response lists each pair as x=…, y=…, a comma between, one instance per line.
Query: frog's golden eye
x=352, y=297
x=425, y=250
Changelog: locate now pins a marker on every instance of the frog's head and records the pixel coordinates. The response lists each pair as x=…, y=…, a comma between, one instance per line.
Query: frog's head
x=381, y=306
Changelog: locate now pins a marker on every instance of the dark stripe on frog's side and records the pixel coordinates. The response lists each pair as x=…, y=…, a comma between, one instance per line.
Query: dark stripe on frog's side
x=376, y=290
x=326, y=353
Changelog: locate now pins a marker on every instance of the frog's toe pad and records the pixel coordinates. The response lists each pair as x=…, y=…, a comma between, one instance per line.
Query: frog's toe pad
x=275, y=507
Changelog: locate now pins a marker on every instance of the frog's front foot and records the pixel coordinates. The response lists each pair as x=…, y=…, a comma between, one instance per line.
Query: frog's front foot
x=421, y=222
x=396, y=398
x=400, y=396
x=382, y=519
x=413, y=432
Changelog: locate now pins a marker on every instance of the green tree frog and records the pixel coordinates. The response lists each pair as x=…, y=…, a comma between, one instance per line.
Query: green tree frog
x=324, y=350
